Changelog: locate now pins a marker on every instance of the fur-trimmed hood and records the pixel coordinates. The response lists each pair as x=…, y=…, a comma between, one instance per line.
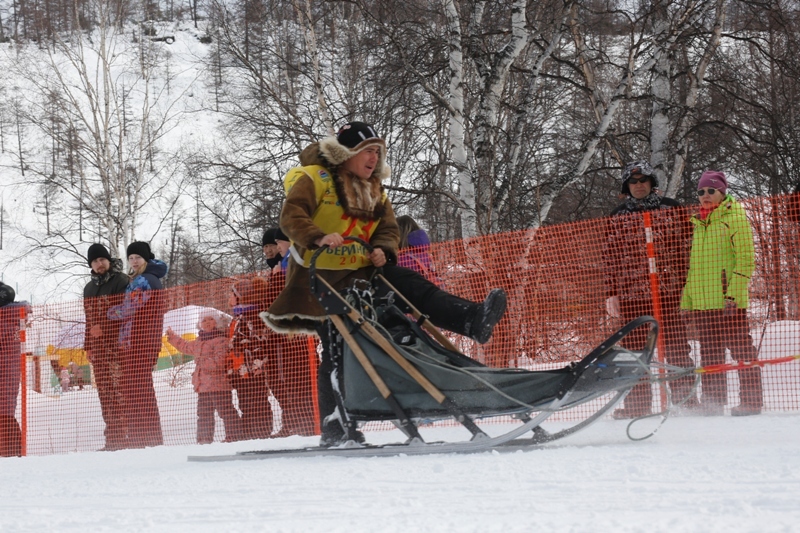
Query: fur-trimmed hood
x=359, y=198
x=336, y=154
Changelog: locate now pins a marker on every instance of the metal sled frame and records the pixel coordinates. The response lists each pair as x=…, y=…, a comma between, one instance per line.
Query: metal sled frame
x=601, y=366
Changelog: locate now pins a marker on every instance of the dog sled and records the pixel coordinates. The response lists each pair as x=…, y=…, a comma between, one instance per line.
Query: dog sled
x=393, y=365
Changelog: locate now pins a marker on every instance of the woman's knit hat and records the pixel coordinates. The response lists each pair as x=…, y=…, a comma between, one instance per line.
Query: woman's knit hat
x=715, y=179
x=142, y=249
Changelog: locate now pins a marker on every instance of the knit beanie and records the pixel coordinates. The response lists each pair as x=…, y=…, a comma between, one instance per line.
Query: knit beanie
x=353, y=134
x=142, y=249
x=281, y=236
x=7, y=294
x=715, y=179
x=269, y=237
x=96, y=251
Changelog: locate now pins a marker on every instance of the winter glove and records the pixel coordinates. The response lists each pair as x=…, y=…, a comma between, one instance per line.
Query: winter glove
x=612, y=306
x=730, y=306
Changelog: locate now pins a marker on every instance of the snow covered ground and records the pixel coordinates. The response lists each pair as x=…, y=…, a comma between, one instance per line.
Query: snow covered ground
x=695, y=474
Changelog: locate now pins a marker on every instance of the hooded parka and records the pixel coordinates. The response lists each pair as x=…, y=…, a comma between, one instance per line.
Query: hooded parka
x=722, y=259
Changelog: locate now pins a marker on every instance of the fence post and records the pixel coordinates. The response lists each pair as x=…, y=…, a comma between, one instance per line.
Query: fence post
x=23, y=380
x=312, y=363
x=656, y=296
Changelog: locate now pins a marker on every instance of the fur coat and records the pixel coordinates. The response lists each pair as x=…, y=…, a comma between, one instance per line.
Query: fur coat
x=296, y=309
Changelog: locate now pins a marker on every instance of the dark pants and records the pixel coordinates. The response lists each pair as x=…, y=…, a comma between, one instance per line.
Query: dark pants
x=331, y=359
x=139, y=397
x=253, y=394
x=10, y=437
x=290, y=374
x=719, y=330
x=107, y=372
x=222, y=403
x=676, y=348
x=444, y=310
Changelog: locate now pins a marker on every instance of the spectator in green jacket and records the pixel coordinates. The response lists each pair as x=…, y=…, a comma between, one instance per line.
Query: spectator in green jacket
x=721, y=262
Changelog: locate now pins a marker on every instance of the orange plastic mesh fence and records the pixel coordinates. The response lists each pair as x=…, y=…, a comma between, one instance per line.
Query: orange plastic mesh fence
x=569, y=287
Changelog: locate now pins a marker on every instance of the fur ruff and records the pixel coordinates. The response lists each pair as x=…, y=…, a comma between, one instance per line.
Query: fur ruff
x=360, y=198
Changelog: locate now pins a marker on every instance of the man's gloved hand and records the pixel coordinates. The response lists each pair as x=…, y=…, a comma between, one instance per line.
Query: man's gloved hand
x=612, y=306
x=730, y=306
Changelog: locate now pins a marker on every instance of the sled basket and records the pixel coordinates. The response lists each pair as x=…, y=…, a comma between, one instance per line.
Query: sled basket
x=477, y=389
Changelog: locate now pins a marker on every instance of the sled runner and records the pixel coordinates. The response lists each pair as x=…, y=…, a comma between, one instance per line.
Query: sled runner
x=389, y=368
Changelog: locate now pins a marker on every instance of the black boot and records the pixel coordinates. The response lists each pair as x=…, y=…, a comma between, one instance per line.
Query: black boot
x=333, y=434
x=487, y=315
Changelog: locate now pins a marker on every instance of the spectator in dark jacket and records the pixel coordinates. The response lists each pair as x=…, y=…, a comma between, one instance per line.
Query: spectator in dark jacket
x=10, y=353
x=628, y=288
x=101, y=339
x=142, y=316
x=249, y=358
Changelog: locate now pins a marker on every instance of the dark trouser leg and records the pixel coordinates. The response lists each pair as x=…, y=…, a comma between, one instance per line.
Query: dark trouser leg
x=740, y=343
x=325, y=393
x=141, y=407
x=256, y=410
x=292, y=385
x=10, y=437
x=444, y=309
x=107, y=372
x=712, y=352
x=677, y=348
x=639, y=400
x=223, y=404
x=205, y=418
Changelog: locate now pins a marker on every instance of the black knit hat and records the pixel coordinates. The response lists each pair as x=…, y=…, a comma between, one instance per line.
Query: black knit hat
x=96, y=251
x=142, y=249
x=633, y=168
x=354, y=133
x=280, y=235
x=269, y=237
x=7, y=294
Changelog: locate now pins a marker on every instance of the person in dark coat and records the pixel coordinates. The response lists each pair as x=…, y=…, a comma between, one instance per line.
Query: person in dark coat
x=10, y=353
x=291, y=367
x=142, y=322
x=101, y=339
x=249, y=358
x=628, y=287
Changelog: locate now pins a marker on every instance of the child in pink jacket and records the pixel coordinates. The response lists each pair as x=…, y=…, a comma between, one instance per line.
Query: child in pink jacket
x=209, y=379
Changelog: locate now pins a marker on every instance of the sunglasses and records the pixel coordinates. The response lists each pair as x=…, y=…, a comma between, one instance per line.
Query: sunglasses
x=711, y=191
x=634, y=181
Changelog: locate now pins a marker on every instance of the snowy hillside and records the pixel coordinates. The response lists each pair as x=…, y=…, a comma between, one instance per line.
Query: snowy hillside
x=45, y=231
